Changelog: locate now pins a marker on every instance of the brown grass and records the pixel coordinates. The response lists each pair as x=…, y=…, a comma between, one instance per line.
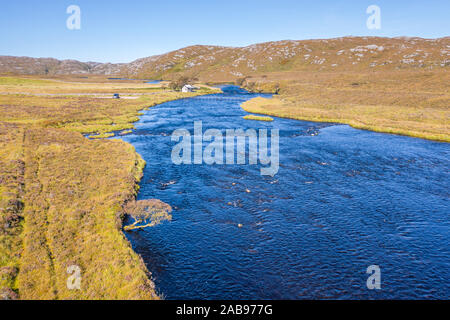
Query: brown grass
x=75, y=189
x=61, y=195
x=356, y=54
x=80, y=113
x=413, y=103
x=11, y=204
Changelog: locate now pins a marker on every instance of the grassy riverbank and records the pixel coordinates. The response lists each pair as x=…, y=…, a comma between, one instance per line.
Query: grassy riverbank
x=61, y=195
x=412, y=103
x=258, y=118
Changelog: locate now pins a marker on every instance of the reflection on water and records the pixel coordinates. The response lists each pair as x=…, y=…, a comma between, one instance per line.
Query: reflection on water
x=344, y=199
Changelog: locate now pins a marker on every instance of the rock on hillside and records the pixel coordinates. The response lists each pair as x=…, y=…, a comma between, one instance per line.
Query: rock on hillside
x=215, y=63
x=210, y=63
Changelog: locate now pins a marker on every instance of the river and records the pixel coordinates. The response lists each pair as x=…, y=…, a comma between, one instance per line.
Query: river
x=343, y=200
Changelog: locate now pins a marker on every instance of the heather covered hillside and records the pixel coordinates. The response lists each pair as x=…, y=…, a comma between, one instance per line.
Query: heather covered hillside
x=219, y=64
x=50, y=66
x=209, y=63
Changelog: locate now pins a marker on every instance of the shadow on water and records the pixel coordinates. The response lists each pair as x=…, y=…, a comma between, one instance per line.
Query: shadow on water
x=344, y=199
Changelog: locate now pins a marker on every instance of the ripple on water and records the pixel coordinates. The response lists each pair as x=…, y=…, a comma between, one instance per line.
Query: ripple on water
x=343, y=199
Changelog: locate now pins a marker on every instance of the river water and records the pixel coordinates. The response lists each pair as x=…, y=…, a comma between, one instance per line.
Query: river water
x=343, y=200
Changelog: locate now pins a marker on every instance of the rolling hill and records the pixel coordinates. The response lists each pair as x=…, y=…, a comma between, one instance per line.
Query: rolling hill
x=50, y=66
x=222, y=64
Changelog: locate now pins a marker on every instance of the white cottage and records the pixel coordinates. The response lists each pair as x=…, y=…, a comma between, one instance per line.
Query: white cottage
x=188, y=88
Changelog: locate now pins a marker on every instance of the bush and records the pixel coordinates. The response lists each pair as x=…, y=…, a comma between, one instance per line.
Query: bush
x=178, y=84
x=147, y=213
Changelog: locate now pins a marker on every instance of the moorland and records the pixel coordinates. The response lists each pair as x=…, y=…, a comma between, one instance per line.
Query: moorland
x=62, y=195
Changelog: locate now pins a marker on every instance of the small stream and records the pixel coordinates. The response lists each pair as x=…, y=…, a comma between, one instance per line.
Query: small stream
x=343, y=200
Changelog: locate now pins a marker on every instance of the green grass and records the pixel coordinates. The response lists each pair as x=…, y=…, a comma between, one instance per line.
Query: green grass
x=125, y=132
x=258, y=118
x=24, y=81
x=102, y=136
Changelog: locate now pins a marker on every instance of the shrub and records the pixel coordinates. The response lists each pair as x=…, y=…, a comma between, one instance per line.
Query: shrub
x=179, y=83
x=147, y=213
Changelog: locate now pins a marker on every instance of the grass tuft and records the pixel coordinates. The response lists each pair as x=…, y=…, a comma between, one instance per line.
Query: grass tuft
x=258, y=118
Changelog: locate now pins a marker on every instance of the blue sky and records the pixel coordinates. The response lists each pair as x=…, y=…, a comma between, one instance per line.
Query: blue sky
x=121, y=31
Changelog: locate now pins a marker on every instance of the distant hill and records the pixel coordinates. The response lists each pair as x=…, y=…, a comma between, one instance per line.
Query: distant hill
x=215, y=63
x=49, y=66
